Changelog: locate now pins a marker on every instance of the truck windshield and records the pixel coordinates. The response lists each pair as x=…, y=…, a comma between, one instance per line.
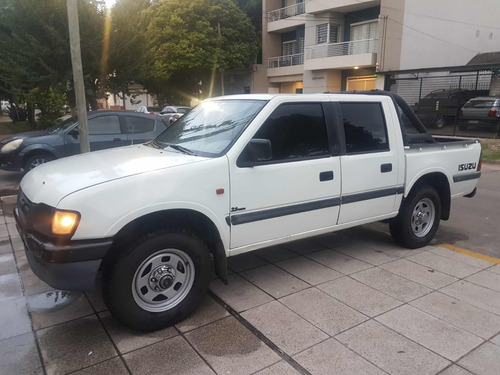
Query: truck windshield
x=210, y=128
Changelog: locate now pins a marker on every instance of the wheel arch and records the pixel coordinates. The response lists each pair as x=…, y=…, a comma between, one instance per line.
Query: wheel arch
x=36, y=149
x=200, y=224
x=440, y=183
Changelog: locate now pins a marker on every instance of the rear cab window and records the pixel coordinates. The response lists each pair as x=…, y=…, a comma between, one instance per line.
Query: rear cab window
x=364, y=126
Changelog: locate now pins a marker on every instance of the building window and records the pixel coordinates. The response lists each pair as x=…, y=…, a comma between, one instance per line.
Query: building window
x=327, y=33
x=289, y=48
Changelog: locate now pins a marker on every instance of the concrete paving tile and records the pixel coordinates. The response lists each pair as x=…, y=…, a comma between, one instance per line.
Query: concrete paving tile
x=274, y=280
x=127, y=340
x=95, y=297
x=19, y=355
x=9, y=200
x=443, y=338
x=318, y=308
x=467, y=259
x=10, y=287
x=15, y=318
x=333, y=240
x=17, y=243
x=331, y=357
x=460, y=314
x=339, y=262
x=74, y=345
x=271, y=318
x=31, y=283
x=112, y=367
x=476, y=295
x=455, y=370
x=391, y=351
x=420, y=274
x=240, y=294
x=359, y=296
x=170, y=357
x=5, y=246
x=7, y=264
x=245, y=262
x=495, y=269
x=391, y=284
x=448, y=266
x=304, y=246
x=12, y=229
x=4, y=233
x=487, y=279
x=275, y=253
x=485, y=360
x=496, y=340
x=308, y=270
x=280, y=368
x=230, y=348
x=367, y=253
x=56, y=306
x=209, y=311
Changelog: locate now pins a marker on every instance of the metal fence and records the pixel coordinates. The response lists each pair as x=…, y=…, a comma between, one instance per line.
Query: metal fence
x=289, y=60
x=289, y=11
x=438, y=99
x=352, y=47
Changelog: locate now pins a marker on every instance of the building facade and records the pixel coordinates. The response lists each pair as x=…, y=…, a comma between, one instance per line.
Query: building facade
x=314, y=46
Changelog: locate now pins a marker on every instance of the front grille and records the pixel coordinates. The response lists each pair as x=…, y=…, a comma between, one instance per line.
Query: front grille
x=34, y=217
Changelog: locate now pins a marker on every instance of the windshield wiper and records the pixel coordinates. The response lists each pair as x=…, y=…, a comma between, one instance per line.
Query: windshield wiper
x=153, y=143
x=181, y=149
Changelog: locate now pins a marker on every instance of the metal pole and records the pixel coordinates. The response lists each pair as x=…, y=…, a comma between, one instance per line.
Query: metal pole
x=76, y=62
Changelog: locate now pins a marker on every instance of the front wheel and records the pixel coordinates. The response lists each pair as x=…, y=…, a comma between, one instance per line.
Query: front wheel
x=36, y=160
x=158, y=281
x=418, y=219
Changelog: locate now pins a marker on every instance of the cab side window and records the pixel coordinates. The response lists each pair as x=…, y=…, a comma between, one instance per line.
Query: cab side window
x=296, y=131
x=364, y=128
x=104, y=125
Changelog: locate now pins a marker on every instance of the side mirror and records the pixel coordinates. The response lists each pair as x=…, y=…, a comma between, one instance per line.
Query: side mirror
x=255, y=151
x=74, y=132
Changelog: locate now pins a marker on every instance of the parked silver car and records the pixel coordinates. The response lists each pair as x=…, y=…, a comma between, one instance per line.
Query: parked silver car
x=480, y=111
x=172, y=113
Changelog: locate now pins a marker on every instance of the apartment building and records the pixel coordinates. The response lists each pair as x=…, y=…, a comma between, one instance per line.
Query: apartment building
x=333, y=45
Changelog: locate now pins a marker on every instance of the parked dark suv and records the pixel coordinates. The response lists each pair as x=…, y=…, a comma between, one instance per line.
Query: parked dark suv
x=107, y=129
x=441, y=106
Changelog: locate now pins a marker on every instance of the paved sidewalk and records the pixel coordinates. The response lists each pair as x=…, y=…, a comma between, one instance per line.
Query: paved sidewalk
x=347, y=303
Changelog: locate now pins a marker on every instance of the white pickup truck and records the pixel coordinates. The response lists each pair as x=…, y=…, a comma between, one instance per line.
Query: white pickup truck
x=233, y=175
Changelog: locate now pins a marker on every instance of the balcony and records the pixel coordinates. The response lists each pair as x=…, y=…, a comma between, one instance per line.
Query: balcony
x=342, y=6
x=285, y=65
x=280, y=19
x=342, y=55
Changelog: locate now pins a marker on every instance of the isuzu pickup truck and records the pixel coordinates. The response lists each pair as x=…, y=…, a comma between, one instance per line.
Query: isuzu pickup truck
x=233, y=175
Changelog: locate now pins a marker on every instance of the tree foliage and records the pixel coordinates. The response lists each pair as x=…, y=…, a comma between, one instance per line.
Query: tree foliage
x=49, y=102
x=188, y=41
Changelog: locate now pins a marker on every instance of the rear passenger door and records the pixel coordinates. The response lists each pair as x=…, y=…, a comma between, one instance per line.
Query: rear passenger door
x=298, y=190
x=370, y=166
x=105, y=132
x=139, y=129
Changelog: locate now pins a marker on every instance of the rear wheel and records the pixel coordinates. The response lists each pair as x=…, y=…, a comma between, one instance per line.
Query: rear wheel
x=439, y=122
x=418, y=219
x=36, y=160
x=158, y=281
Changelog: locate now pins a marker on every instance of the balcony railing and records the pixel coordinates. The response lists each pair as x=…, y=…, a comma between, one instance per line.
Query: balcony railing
x=289, y=60
x=353, y=47
x=286, y=12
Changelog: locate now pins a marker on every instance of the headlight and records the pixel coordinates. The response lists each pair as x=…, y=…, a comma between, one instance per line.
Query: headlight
x=12, y=145
x=65, y=222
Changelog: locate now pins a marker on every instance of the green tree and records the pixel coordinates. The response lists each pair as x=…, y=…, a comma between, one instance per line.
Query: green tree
x=190, y=41
x=49, y=102
x=35, y=47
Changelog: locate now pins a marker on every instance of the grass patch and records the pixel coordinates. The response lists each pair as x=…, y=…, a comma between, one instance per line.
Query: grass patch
x=491, y=149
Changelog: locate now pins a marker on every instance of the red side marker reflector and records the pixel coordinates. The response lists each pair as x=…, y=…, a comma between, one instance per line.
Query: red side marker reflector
x=219, y=191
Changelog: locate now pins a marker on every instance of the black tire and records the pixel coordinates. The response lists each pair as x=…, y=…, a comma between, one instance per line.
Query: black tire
x=37, y=159
x=169, y=258
x=418, y=218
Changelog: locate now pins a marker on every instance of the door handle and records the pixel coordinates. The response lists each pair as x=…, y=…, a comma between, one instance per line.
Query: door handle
x=384, y=168
x=326, y=176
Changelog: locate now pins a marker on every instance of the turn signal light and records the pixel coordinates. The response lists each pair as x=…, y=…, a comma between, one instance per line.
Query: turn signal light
x=64, y=222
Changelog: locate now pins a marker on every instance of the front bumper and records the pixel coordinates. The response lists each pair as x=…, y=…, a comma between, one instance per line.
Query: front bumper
x=69, y=266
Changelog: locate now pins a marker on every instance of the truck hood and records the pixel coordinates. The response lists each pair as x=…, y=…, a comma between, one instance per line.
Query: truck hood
x=51, y=182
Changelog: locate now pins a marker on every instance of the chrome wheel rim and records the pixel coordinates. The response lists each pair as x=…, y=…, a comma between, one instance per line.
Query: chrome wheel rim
x=423, y=217
x=37, y=162
x=163, y=280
